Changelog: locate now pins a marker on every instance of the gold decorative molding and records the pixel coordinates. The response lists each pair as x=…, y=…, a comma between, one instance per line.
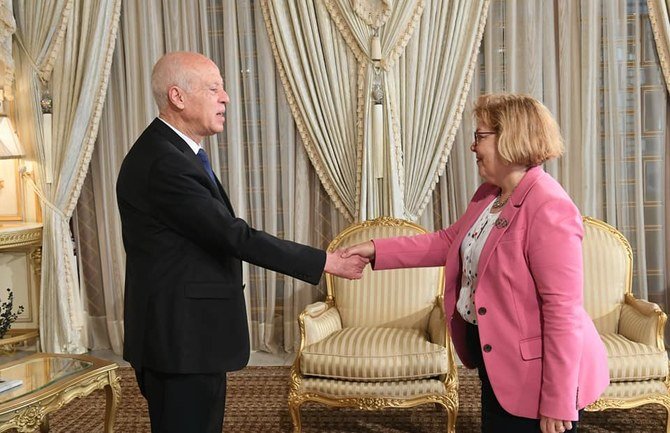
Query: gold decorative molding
x=36, y=259
x=17, y=236
x=448, y=399
x=628, y=403
x=644, y=308
x=28, y=412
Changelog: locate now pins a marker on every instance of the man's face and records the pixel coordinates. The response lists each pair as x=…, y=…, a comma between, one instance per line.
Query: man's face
x=204, y=101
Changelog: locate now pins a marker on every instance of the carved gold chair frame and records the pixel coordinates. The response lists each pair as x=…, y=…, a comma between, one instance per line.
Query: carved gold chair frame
x=647, y=309
x=448, y=400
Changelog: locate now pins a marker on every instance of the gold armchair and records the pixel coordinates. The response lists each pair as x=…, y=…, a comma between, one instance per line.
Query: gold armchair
x=376, y=342
x=632, y=329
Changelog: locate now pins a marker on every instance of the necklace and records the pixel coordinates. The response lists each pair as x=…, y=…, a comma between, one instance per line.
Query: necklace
x=499, y=201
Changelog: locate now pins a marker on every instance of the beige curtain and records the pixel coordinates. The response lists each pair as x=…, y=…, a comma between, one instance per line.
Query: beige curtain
x=129, y=108
x=266, y=170
x=660, y=24
x=78, y=85
x=612, y=114
x=7, y=29
x=259, y=158
x=376, y=153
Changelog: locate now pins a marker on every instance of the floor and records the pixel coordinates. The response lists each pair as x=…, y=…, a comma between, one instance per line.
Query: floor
x=255, y=359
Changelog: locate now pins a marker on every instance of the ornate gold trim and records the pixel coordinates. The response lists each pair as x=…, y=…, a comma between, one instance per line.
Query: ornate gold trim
x=629, y=298
x=661, y=319
x=29, y=412
x=16, y=336
x=624, y=403
x=377, y=222
x=627, y=403
x=602, y=225
x=449, y=400
x=20, y=238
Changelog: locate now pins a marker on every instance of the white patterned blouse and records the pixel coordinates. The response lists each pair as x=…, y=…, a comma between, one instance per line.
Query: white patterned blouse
x=471, y=248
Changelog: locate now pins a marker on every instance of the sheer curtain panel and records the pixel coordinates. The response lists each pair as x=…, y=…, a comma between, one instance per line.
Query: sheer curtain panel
x=594, y=65
x=129, y=108
x=66, y=48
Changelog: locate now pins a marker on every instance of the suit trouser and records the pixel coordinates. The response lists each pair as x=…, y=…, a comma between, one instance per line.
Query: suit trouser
x=495, y=419
x=183, y=403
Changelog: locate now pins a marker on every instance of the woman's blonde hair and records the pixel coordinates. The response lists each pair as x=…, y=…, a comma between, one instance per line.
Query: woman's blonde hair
x=527, y=132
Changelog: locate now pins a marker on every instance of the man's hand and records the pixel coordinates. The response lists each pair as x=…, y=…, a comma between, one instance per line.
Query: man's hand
x=551, y=425
x=364, y=249
x=350, y=267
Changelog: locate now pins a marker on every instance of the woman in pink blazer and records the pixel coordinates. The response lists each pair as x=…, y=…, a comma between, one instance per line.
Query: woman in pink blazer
x=513, y=276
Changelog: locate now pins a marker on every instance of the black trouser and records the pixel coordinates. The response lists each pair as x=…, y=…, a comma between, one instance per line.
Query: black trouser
x=495, y=419
x=183, y=403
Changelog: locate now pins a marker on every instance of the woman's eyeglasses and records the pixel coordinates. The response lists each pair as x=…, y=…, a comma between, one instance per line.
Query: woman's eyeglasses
x=479, y=135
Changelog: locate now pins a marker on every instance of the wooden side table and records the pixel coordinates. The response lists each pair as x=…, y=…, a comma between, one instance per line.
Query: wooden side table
x=51, y=381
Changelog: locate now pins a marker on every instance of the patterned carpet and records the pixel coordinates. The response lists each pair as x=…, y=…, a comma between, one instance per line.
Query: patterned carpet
x=257, y=403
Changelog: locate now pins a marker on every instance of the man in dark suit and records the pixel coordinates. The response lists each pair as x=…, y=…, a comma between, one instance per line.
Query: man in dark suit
x=185, y=315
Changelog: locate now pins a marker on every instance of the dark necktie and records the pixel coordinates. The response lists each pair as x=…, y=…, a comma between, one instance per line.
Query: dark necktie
x=202, y=155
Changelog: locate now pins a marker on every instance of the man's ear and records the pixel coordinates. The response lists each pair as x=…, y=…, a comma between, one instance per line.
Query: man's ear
x=175, y=97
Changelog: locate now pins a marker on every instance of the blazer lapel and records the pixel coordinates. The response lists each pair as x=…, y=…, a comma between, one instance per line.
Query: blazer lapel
x=224, y=196
x=453, y=263
x=180, y=144
x=506, y=216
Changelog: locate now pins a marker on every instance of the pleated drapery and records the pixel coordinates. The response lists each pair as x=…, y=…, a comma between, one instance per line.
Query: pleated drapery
x=65, y=48
x=592, y=63
x=333, y=81
x=129, y=108
x=660, y=23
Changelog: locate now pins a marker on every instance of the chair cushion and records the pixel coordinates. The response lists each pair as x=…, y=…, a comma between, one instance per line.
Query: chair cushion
x=375, y=354
x=635, y=390
x=406, y=389
x=630, y=361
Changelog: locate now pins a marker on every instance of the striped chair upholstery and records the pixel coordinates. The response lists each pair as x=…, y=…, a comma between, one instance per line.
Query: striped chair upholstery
x=631, y=329
x=377, y=342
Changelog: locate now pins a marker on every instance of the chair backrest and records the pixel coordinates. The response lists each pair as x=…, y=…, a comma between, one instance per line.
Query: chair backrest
x=399, y=298
x=608, y=273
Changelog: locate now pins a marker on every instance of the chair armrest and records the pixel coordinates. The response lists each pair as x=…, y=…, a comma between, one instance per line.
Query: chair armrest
x=437, y=326
x=318, y=321
x=643, y=322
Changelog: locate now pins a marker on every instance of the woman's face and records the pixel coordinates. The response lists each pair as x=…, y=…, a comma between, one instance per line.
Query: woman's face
x=491, y=166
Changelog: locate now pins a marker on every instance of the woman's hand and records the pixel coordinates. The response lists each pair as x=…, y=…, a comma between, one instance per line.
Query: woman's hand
x=364, y=249
x=551, y=425
x=350, y=267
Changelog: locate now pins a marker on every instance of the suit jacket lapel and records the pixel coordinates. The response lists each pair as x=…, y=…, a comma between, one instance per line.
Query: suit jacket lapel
x=506, y=216
x=453, y=272
x=180, y=144
x=224, y=196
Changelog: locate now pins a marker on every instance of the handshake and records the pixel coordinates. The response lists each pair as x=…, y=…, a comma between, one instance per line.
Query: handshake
x=349, y=262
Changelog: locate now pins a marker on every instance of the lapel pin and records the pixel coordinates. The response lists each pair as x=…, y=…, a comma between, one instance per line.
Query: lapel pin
x=501, y=223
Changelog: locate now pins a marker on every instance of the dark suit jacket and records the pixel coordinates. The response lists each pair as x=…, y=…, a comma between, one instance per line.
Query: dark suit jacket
x=184, y=303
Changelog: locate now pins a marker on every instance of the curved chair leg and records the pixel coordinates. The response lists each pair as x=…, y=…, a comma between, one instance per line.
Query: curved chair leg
x=294, y=409
x=451, y=409
x=451, y=422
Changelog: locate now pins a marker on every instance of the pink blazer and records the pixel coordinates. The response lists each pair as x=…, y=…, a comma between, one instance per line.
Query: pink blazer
x=545, y=356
